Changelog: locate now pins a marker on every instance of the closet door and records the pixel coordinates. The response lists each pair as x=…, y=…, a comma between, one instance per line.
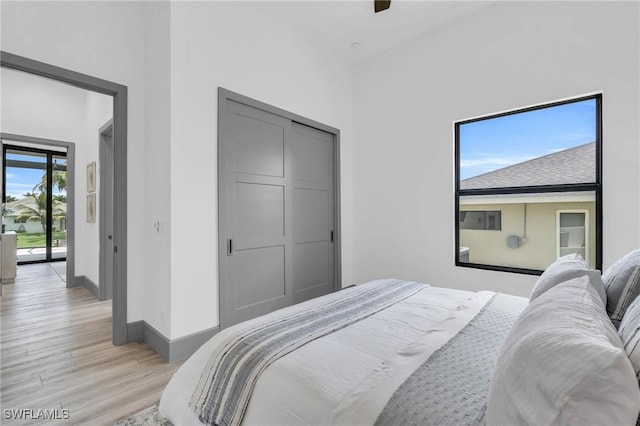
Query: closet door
x=276, y=211
x=313, y=212
x=255, y=222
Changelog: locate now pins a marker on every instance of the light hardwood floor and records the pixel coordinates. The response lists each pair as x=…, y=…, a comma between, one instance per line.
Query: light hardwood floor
x=56, y=353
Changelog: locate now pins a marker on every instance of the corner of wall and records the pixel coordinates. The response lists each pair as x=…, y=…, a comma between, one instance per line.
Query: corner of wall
x=156, y=173
x=171, y=350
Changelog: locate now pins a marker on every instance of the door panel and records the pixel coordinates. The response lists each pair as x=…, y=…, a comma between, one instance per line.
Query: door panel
x=310, y=271
x=259, y=210
x=256, y=273
x=263, y=281
x=59, y=215
x=314, y=150
x=313, y=215
x=259, y=145
x=27, y=216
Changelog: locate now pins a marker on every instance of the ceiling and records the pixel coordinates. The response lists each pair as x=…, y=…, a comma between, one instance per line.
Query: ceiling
x=339, y=24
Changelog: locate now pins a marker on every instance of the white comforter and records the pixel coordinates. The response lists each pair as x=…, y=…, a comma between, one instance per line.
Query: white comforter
x=346, y=377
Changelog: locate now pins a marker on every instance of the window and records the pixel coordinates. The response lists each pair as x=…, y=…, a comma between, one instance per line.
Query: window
x=533, y=177
x=485, y=220
x=572, y=233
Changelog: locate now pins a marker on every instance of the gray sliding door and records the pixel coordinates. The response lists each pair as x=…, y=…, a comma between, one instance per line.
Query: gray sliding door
x=313, y=212
x=276, y=211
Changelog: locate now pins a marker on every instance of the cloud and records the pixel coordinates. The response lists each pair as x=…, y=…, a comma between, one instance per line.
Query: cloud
x=579, y=136
x=485, y=163
x=492, y=162
x=20, y=185
x=18, y=189
x=554, y=150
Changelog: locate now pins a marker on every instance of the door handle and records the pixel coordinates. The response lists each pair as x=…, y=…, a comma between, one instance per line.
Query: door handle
x=229, y=247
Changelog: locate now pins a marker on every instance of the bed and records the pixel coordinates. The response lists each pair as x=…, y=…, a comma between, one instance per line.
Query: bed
x=399, y=352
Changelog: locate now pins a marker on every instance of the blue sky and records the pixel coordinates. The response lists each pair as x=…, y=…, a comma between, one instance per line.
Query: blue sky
x=20, y=180
x=492, y=144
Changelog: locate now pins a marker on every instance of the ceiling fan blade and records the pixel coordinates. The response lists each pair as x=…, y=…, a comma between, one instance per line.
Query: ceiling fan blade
x=380, y=5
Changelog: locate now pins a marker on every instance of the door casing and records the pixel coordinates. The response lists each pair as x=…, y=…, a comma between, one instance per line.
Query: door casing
x=105, y=166
x=119, y=94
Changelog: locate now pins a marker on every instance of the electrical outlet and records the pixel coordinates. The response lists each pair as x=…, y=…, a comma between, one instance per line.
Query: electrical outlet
x=156, y=226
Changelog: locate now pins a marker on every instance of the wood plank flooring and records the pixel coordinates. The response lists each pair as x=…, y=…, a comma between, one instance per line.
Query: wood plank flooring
x=56, y=353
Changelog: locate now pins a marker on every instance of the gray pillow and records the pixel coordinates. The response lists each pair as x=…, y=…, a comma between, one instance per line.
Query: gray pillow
x=564, y=269
x=622, y=283
x=629, y=332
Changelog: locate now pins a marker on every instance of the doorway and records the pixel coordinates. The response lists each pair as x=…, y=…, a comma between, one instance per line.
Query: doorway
x=119, y=207
x=35, y=201
x=55, y=147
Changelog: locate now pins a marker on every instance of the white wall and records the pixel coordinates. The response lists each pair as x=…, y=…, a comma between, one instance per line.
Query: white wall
x=231, y=45
x=506, y=56
x=38, y=107
x=105, y=40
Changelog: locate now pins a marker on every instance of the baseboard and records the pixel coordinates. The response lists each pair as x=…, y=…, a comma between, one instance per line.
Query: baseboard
x=135, y=331
x=157, y=341
x=184, y=347
x=84, y=281
x=171, y=350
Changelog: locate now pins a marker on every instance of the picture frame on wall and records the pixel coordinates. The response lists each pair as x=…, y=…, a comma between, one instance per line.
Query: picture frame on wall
x=91, y=177
x=91, y=208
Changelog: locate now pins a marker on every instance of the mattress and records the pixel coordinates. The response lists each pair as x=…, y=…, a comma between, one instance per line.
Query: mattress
x=354, y=375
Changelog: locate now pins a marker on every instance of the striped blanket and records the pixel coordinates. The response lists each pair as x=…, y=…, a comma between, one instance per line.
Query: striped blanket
x=224, y=389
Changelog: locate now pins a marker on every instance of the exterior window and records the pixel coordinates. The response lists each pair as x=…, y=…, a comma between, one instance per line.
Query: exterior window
x=573, y=233
x=533, y=177
x=484, y=220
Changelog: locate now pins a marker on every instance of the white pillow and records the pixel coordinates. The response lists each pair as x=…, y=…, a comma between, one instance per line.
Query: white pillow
x=564, y=269
x=563, y=363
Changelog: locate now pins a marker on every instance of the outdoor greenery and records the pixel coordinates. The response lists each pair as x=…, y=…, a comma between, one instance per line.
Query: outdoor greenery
x=39, y=239
x=39, y=211
x=39, y=196
x=59, y=180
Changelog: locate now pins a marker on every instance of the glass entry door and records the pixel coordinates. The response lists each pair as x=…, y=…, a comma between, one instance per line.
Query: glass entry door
x=35, y=202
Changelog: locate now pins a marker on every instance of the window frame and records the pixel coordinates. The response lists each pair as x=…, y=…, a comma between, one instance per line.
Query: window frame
x=595, y=187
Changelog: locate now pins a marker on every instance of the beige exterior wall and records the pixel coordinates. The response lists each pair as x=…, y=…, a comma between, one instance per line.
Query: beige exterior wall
x=538, y=250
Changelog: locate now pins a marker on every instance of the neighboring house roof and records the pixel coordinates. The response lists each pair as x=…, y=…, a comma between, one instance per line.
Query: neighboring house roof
x=16, y=210
x=573, y=165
